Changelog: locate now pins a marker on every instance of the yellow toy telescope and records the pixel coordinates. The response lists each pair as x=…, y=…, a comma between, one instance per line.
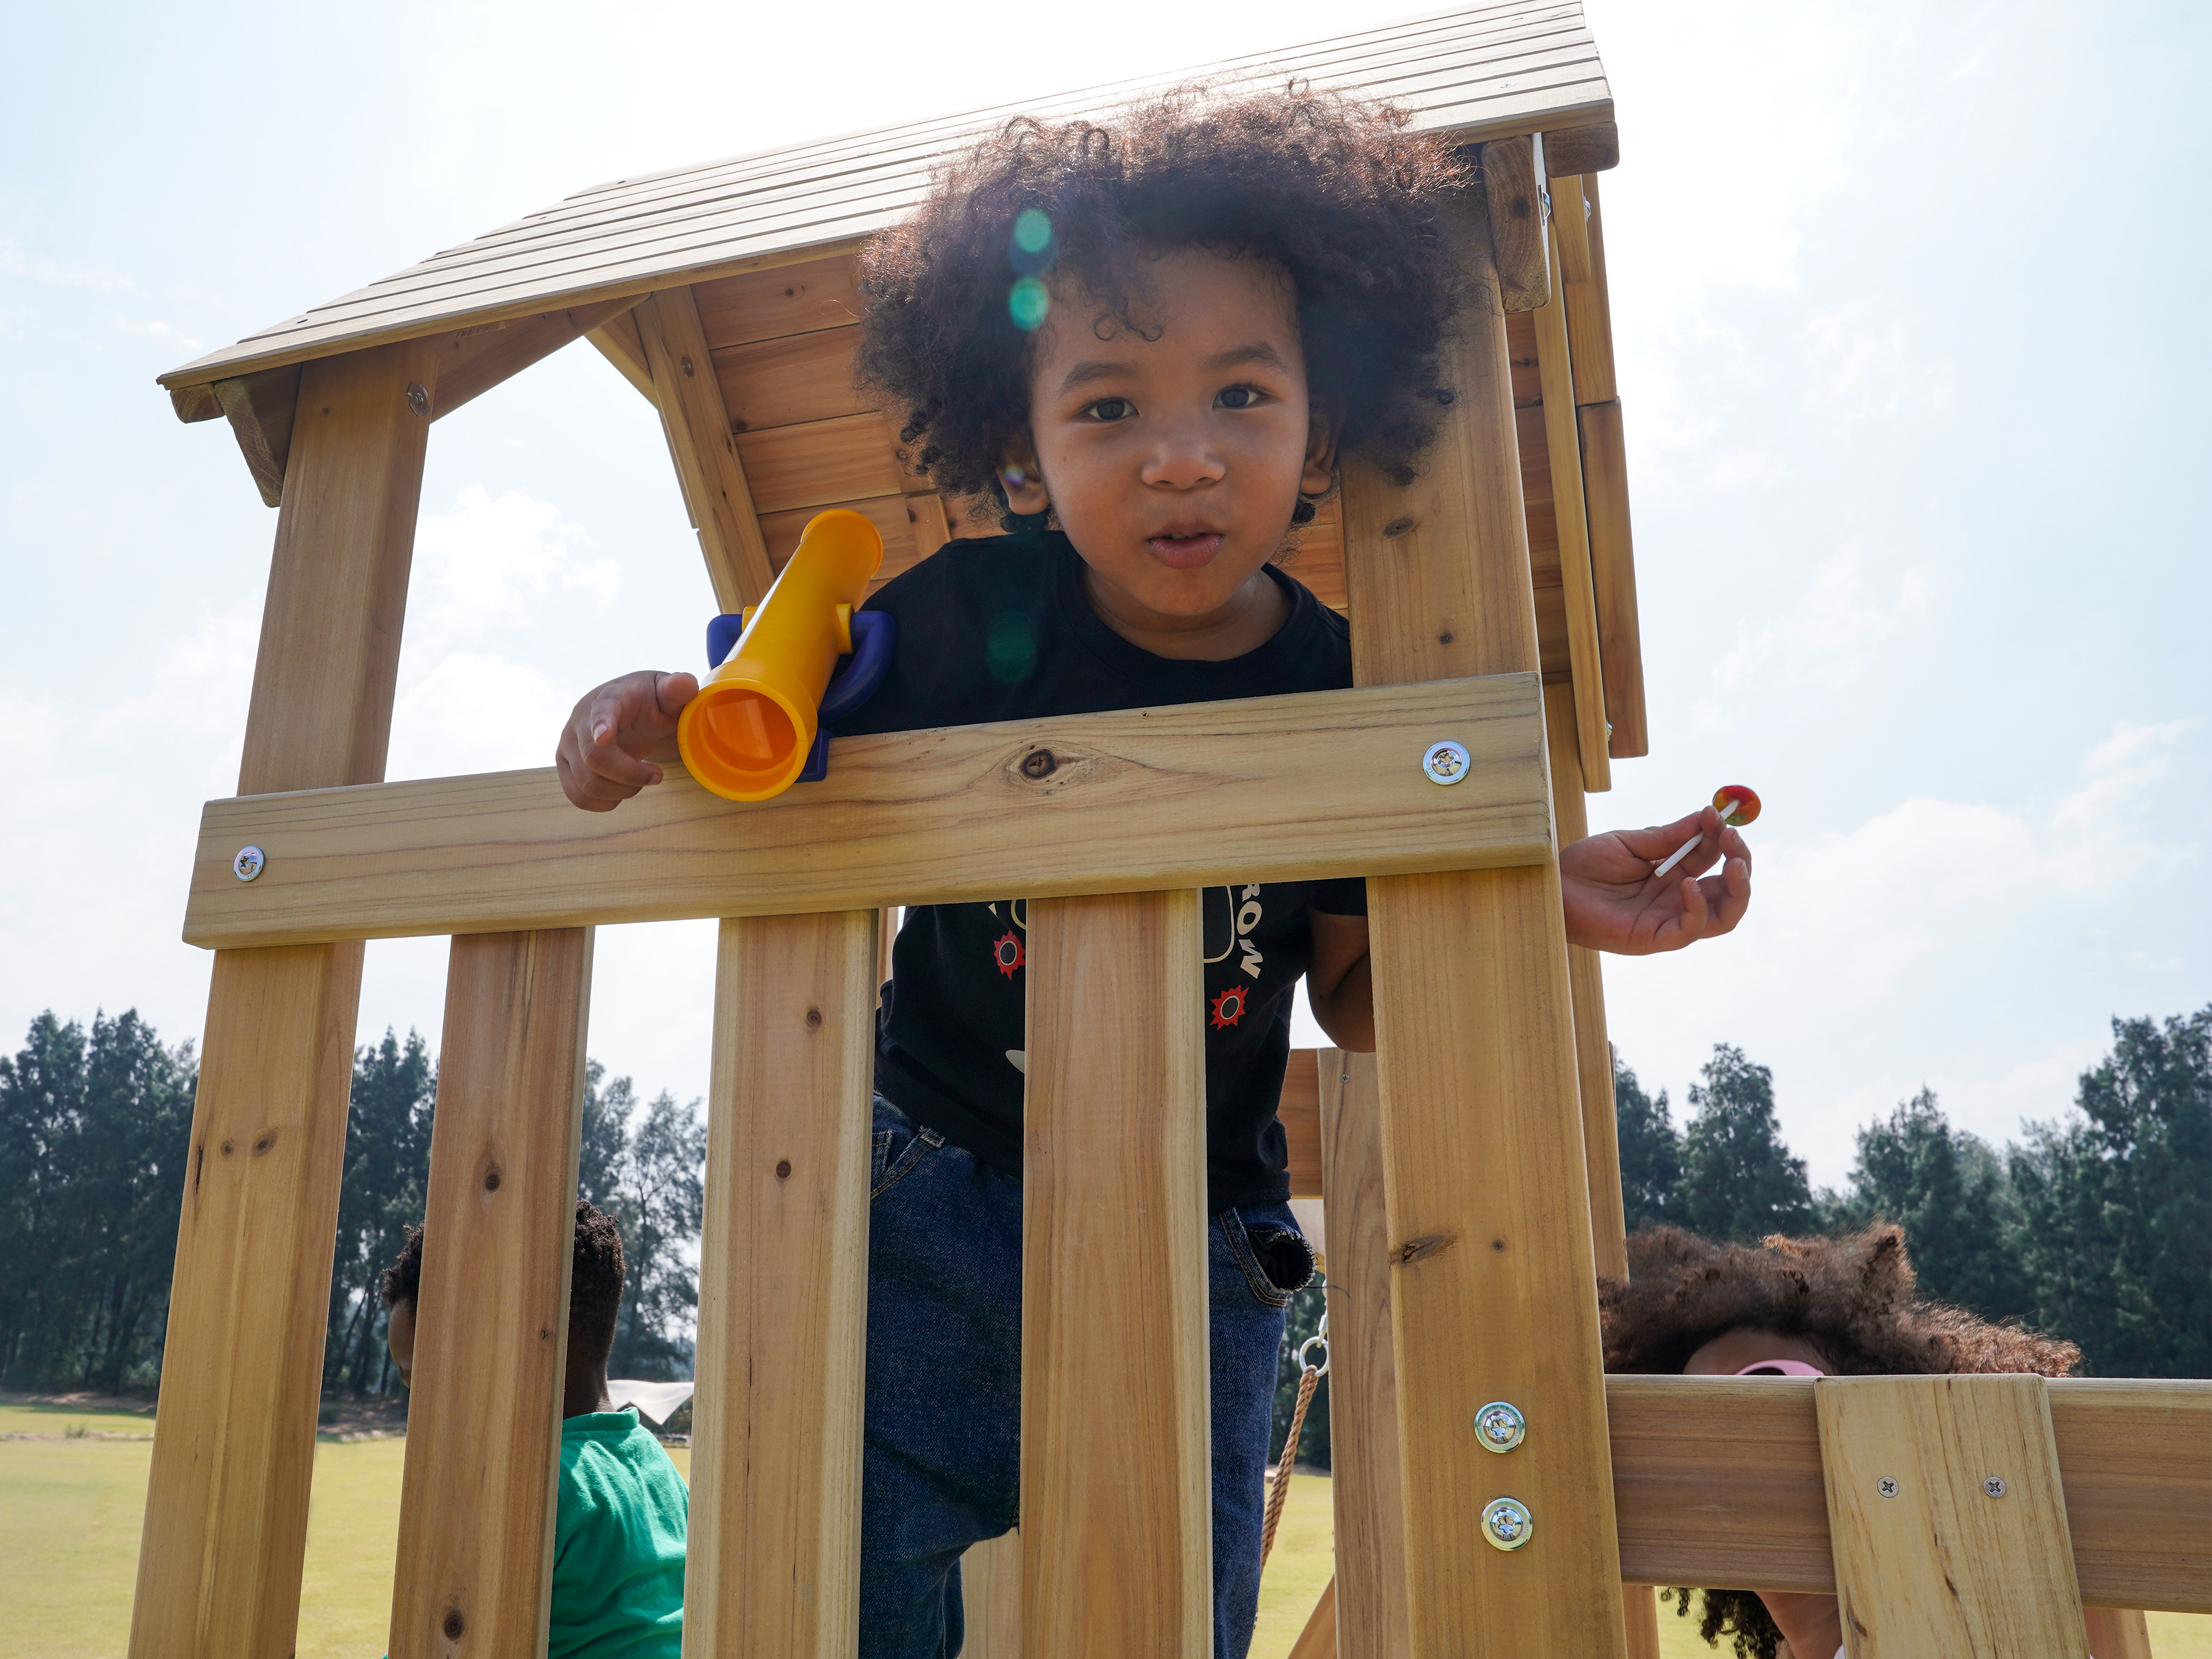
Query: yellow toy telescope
x=759, y=723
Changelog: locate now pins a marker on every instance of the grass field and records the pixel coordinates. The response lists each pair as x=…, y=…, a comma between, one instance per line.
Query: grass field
x=70, y=1507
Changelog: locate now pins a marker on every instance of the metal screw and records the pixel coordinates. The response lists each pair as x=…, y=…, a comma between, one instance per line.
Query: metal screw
x=1446, y=761
x=686, y=363
x=1507, y=1523
x=250, y=862
x=418, y=400
x=1499, y=1426
x=1886, y=1486
x=1994, y=1486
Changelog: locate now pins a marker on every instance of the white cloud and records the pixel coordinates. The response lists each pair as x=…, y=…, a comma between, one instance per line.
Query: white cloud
x=14, y=262
x=474, y=712
x=479, y=565
x=1831, y=636
x=1862, y=369
x=156, y=330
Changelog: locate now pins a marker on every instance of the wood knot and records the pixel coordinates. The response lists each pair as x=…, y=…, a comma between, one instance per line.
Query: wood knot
x=226, y=1149
x=265, y=1144
x=1399, y=527
x=1040, y=764
x=1497, y=1244
x=1445, y=638
x=491, y=1180
x=454, y=1624
x=783, y=1169
x=1428, y=1245
x=814, y=1016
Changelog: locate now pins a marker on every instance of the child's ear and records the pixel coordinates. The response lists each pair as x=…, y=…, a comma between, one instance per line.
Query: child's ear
x=1024, y=484
x=1318, y=477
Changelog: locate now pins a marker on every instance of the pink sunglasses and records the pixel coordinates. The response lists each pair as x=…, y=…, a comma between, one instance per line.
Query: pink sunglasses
x=1781, y=1368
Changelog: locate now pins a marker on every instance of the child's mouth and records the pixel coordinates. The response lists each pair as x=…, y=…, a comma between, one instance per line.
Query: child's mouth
x=1186, y=552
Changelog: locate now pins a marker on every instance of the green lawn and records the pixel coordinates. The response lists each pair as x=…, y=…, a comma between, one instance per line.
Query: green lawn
x=70, y=1511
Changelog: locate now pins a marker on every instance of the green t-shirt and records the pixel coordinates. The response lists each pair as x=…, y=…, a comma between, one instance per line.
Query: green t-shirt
x=618, y=1532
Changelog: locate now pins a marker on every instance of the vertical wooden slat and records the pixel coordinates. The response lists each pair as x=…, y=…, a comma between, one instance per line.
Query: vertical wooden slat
x=227, y=1496
x=1363, y=1406
x=1590, y=309
x=1494, y=1295
x=783, y=1272
x=1116, y=1527
x=1612, y=576
x=991, y=1597
x=483, y=1424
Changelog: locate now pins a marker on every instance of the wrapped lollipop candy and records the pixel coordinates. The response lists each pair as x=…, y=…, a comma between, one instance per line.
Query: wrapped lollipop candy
x=1735, y=804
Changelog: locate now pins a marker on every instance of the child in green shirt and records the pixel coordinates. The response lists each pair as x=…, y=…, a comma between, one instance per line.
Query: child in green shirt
x=622, y=1510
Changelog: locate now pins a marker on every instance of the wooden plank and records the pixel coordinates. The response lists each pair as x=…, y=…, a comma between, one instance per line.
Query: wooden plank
x=991, y=1592
x=1116, y=1499
x=800, y=377
x=1589, y=311
x=1563, y=447
x=1613, y=577
x=1326, y=784
x=901, y=520
x=1368, y=1490
x=931, y=528
x=196, y=402
x=618, y=341
x=822, y=462
x=2137, y=1459
x=227, y=1496
x=484, y=1422
x=1570, y=227
x=794, y=299
x=1572, y=150
x=775, y=1451
x=707, y=467
x=1318, y=1639
x=1931, y=1560
x=2114, y=1634
x=1299, y=1109
x=260, y=408
x=472, y=361
x=1514, y=201
x=1494, y=1291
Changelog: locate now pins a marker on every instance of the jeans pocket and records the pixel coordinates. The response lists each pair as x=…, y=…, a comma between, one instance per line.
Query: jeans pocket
x=890, y=1162
x=1276, y=1259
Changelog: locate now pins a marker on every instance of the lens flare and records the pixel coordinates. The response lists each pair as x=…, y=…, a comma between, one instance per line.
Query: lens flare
x=1032, y=232
x=1027, y=303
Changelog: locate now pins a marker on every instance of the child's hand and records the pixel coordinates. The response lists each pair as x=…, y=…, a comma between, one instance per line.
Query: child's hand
x=1613, y=904
x=602, y=756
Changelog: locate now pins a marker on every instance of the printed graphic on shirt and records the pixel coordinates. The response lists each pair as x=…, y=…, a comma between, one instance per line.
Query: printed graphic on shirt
x=1228, y=1007
x=1240, y=913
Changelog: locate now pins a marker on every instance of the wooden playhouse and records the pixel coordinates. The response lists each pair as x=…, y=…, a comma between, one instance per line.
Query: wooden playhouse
x=1467, y=1168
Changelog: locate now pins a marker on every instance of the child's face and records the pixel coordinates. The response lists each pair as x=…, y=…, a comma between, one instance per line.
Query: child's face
x=1174, y=462
x=400, y=1337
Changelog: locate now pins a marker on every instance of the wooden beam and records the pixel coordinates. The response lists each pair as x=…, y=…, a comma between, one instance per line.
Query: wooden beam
x=1515, y=199
x=1494, y=1285
x=484, y=1422
x=1299, y=1109
x=1116, y=1498
x=196, y=402
x=260, y=408
x=2117, y=1634
x=1325, y=784
x=1563, y=445
x=618, y=341
x=776, y=1458
x=233, y=1443
x=1589, y=311
x=472, y=361
x=1572, y=150
x=1368, y=1490
x=991, y=1594
x=1948, y=1517
x=704, y=450
x=1318, y=1639
x=1613, y=577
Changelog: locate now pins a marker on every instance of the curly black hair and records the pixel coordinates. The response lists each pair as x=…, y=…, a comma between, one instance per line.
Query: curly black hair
x=595, y=1280
x=1334, y=192
x=1855, y=1299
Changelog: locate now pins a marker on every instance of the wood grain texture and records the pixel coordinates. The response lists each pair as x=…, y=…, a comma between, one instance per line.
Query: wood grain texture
x=1494, y=1293
x=2137, y=1459
x=261, y=408
x=1589, y=311
x=1927, y=1565
x=1318, y=1639
x=1562, y=445
x=1368, y=1488
x=775, y=1450
x=708, y=465
x=193, y=404
x=1326, y=784
x=2115, y=1634
x=1570, y=228
x=1612, y=574
x=793, y=299
x=484, y=1425
x=798, y=377
x=991, y=1594
x=618, y=341
x=902, y=521
x=818, y=463
x=1572, y=150
x=1514, y=200
x=471, y=361
x=1117, y=1474
x=1299, y=1108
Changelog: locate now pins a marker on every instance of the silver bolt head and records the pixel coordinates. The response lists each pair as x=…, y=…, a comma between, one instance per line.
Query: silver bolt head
x=418, y=399
x=1994, y=1486
x=1499, y=1426
x=1507, y=1523
x=1886, y=1486
x=1446, y=761
x=250, y=862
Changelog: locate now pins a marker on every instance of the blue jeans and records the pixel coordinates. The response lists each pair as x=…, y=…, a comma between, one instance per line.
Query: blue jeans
x=942, y=1465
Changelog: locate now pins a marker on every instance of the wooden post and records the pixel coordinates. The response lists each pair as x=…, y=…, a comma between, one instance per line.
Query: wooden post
x=1494, y=1295
x=1116, y=1479
x=483, y=1426
x=1563, y=445
x=227, y=1496
x=991, y=1597
x=1363, y=1403
x=775, y=1449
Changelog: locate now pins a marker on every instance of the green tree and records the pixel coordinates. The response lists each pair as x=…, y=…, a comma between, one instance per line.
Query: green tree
x=1739, y=1180
x=646, y=1167
x=1651, y=1153
x=387, y=1176
x=2116, y=1205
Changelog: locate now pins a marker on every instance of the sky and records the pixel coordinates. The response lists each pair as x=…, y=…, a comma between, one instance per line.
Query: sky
x=1905, y=306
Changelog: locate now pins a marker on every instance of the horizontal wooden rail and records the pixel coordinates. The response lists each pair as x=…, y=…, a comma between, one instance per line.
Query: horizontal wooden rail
x=1717, y=1484
x=1321, y=785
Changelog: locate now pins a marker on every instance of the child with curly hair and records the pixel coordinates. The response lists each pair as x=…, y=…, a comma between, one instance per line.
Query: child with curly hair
x=1803, y=1307
x=1146, y=344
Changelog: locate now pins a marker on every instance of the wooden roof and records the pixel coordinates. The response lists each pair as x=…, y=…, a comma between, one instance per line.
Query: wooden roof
x=1478, y=72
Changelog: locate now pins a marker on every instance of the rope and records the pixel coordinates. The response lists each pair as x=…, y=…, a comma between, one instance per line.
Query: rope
x=1308, y=1380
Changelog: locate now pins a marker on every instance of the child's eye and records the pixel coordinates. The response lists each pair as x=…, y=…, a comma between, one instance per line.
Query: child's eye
x=1111, y=409
x=1236, y=397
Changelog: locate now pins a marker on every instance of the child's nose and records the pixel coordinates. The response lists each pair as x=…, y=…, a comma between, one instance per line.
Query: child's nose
x=1183, y=459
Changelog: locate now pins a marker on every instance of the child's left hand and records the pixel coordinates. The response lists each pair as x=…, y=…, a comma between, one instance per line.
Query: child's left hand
x=1613, y=904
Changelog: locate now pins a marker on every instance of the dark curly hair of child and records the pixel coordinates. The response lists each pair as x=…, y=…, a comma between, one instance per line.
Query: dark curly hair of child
x=1855, y=1299
x=595, y=1280
x=1335, y=193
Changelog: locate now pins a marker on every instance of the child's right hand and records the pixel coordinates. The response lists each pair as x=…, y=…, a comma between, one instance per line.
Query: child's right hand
x=602, y=756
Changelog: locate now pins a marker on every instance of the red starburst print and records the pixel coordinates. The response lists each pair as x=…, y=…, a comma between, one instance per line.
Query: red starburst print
x=1228, y=1008
x=1007, y=952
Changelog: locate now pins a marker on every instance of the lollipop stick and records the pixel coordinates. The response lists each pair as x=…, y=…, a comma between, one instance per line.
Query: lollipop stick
x=1679, y=853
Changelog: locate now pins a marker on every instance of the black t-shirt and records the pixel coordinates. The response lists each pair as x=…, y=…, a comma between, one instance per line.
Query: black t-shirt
x=999, y=630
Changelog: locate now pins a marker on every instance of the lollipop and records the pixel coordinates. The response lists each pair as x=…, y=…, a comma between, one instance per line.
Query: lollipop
x=1735, y=804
